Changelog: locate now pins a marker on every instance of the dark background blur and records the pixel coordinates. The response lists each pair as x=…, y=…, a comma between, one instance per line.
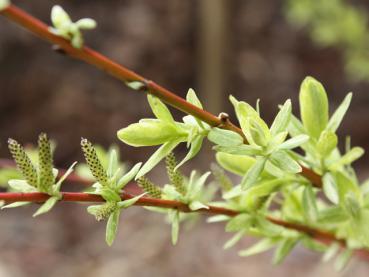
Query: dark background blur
x=218, y=47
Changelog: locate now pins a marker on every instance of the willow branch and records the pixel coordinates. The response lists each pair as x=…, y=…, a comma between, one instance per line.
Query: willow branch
x=10, y=197
x=318, y=235
x=100, y=61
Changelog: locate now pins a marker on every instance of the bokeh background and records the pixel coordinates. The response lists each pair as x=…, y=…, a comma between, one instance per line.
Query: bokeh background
x=249, y=48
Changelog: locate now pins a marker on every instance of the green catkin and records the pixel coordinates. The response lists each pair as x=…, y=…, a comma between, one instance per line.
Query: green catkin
x=93, y=162
x=175, y=176
x=149, y=187
x=23, y=162
x=106, y=210
x=46, y=175
x=223, y=180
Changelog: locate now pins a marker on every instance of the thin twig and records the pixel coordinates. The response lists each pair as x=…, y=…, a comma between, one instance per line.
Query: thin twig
x=98, y=60
x=318, y=235
x=102, y=62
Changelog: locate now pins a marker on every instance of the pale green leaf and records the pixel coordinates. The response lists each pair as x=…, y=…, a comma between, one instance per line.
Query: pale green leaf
x=170, y=192
x=135, y=85
x=194, y=149
x=129, y=202
x=149, y=133
x=309, y=204
x=175, y=226
x=224, y=137
x=86, y=23
x=294, y=142
x=113, y=163
x=327, y=143
x=283, y=161
x=158, y=155
x=197, y=205
x=217, y=218
x=235, y=163
x=351, y=156
x=196, y=185
x=257, y=131
x=312, y=244
x=343, y=259
x=313, y=106
x=338, y=115
x=233, y=240
x=112, y=227
x=259, y=247
x=15, y=205
x=159, y=109
x=193, y=99
x=240, y=222
x=109, y=194
x=330, y=188
x=282, y=119
x=283, y=249
x=234, y=192
x=56, y=187
x=59, y=17
x=243, y=149
x=331, y=252
x=21, y=186
x=277, y=140
x=126, y=178
x=47, y=206
x=253, y=173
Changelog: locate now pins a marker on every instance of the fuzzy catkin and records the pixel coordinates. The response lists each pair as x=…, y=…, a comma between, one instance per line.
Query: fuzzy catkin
x=175, y=176
x=105, y=210
x=221, y=178
x=46, y=175
x=23, y=162
x=149, y=187
x=93, y=162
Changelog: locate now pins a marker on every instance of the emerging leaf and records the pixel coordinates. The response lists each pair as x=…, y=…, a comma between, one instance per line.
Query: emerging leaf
x=160, y=109
x=149, y=133
x=112, y=227
x=313, y=106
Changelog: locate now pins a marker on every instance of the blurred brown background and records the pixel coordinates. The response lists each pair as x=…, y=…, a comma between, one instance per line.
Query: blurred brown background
x=218, y=47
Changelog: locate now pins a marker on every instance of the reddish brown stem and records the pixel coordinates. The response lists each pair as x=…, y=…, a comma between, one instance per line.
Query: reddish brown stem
x=102, y=62
x=318, y=235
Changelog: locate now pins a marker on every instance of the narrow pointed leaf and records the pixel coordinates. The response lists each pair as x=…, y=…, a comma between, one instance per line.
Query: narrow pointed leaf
x=194, y=149
x=253, y=173
x=126, y=178
x=127, y=203
x=283, y=161
x=112, y=227
x=159, y=109
x=47, y=206
x=224, y=137
x=283, y=249
x=282, y=119
x=158, y=155
x=294, y=142
x=233, y=240
x=261, y=246
x=309, y=204
x=338, y=115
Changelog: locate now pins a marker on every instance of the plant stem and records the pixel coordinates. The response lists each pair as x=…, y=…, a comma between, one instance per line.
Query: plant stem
x=154, y=202
x=318, y=235
x=102, y=62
